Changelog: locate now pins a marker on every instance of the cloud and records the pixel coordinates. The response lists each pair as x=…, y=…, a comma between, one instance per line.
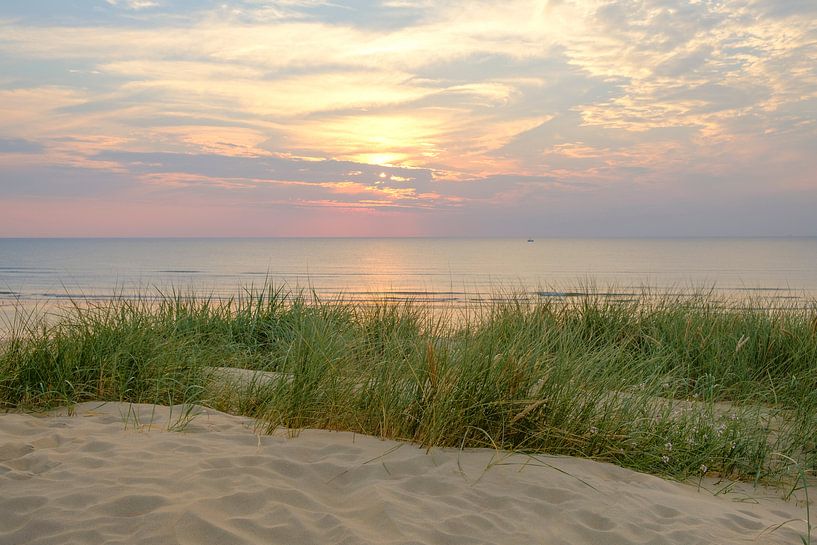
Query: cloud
x=276, y=180
x=19, y=145
x=685, y=62
x=134, y=4
x=261, y=168
x=789, y=8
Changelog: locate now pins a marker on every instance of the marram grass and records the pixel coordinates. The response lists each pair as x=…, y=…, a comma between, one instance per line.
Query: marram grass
x=673, y=386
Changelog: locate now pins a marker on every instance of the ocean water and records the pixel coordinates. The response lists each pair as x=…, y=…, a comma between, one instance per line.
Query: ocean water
x=438, y=270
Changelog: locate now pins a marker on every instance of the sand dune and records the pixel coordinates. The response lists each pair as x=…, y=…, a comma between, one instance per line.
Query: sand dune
x=113, y=473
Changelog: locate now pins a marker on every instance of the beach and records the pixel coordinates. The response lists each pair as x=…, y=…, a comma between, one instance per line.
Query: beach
x=280, y=419
x=123, y=473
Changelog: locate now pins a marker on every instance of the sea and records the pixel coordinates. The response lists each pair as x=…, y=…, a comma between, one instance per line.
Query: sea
x=775, y=271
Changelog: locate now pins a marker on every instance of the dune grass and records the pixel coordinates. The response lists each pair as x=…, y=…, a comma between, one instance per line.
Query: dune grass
x=675, y=386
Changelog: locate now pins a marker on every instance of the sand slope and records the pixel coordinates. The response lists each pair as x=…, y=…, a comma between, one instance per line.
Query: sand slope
x=101, y=477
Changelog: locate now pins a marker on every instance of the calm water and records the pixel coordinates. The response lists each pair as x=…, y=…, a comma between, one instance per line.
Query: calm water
x=424, y=269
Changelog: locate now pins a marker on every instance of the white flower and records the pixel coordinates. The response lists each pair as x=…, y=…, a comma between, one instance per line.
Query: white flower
x=703, y=468
x=665, y=459
x=668, y=446
x=593, y=430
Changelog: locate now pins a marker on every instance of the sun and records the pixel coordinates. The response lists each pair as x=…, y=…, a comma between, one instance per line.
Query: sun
x=382, y=159
x=386, y=140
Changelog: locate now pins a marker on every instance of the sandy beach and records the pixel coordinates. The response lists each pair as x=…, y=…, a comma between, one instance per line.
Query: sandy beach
x=120, y=473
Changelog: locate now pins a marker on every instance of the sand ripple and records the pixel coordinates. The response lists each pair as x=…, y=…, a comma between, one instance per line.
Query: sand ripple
x=114, y=474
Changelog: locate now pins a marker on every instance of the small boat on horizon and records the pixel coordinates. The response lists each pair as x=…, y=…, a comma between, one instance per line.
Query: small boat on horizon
x=530, y=240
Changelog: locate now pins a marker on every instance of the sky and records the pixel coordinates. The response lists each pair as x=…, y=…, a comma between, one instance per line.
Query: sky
x=408, y=118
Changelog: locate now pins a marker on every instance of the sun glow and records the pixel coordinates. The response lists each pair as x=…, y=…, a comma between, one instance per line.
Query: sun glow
x=385, y=139
x=382, y=159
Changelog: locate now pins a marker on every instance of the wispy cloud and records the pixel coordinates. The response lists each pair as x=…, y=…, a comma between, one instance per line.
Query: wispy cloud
x=19, y=145
x=134, y=4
